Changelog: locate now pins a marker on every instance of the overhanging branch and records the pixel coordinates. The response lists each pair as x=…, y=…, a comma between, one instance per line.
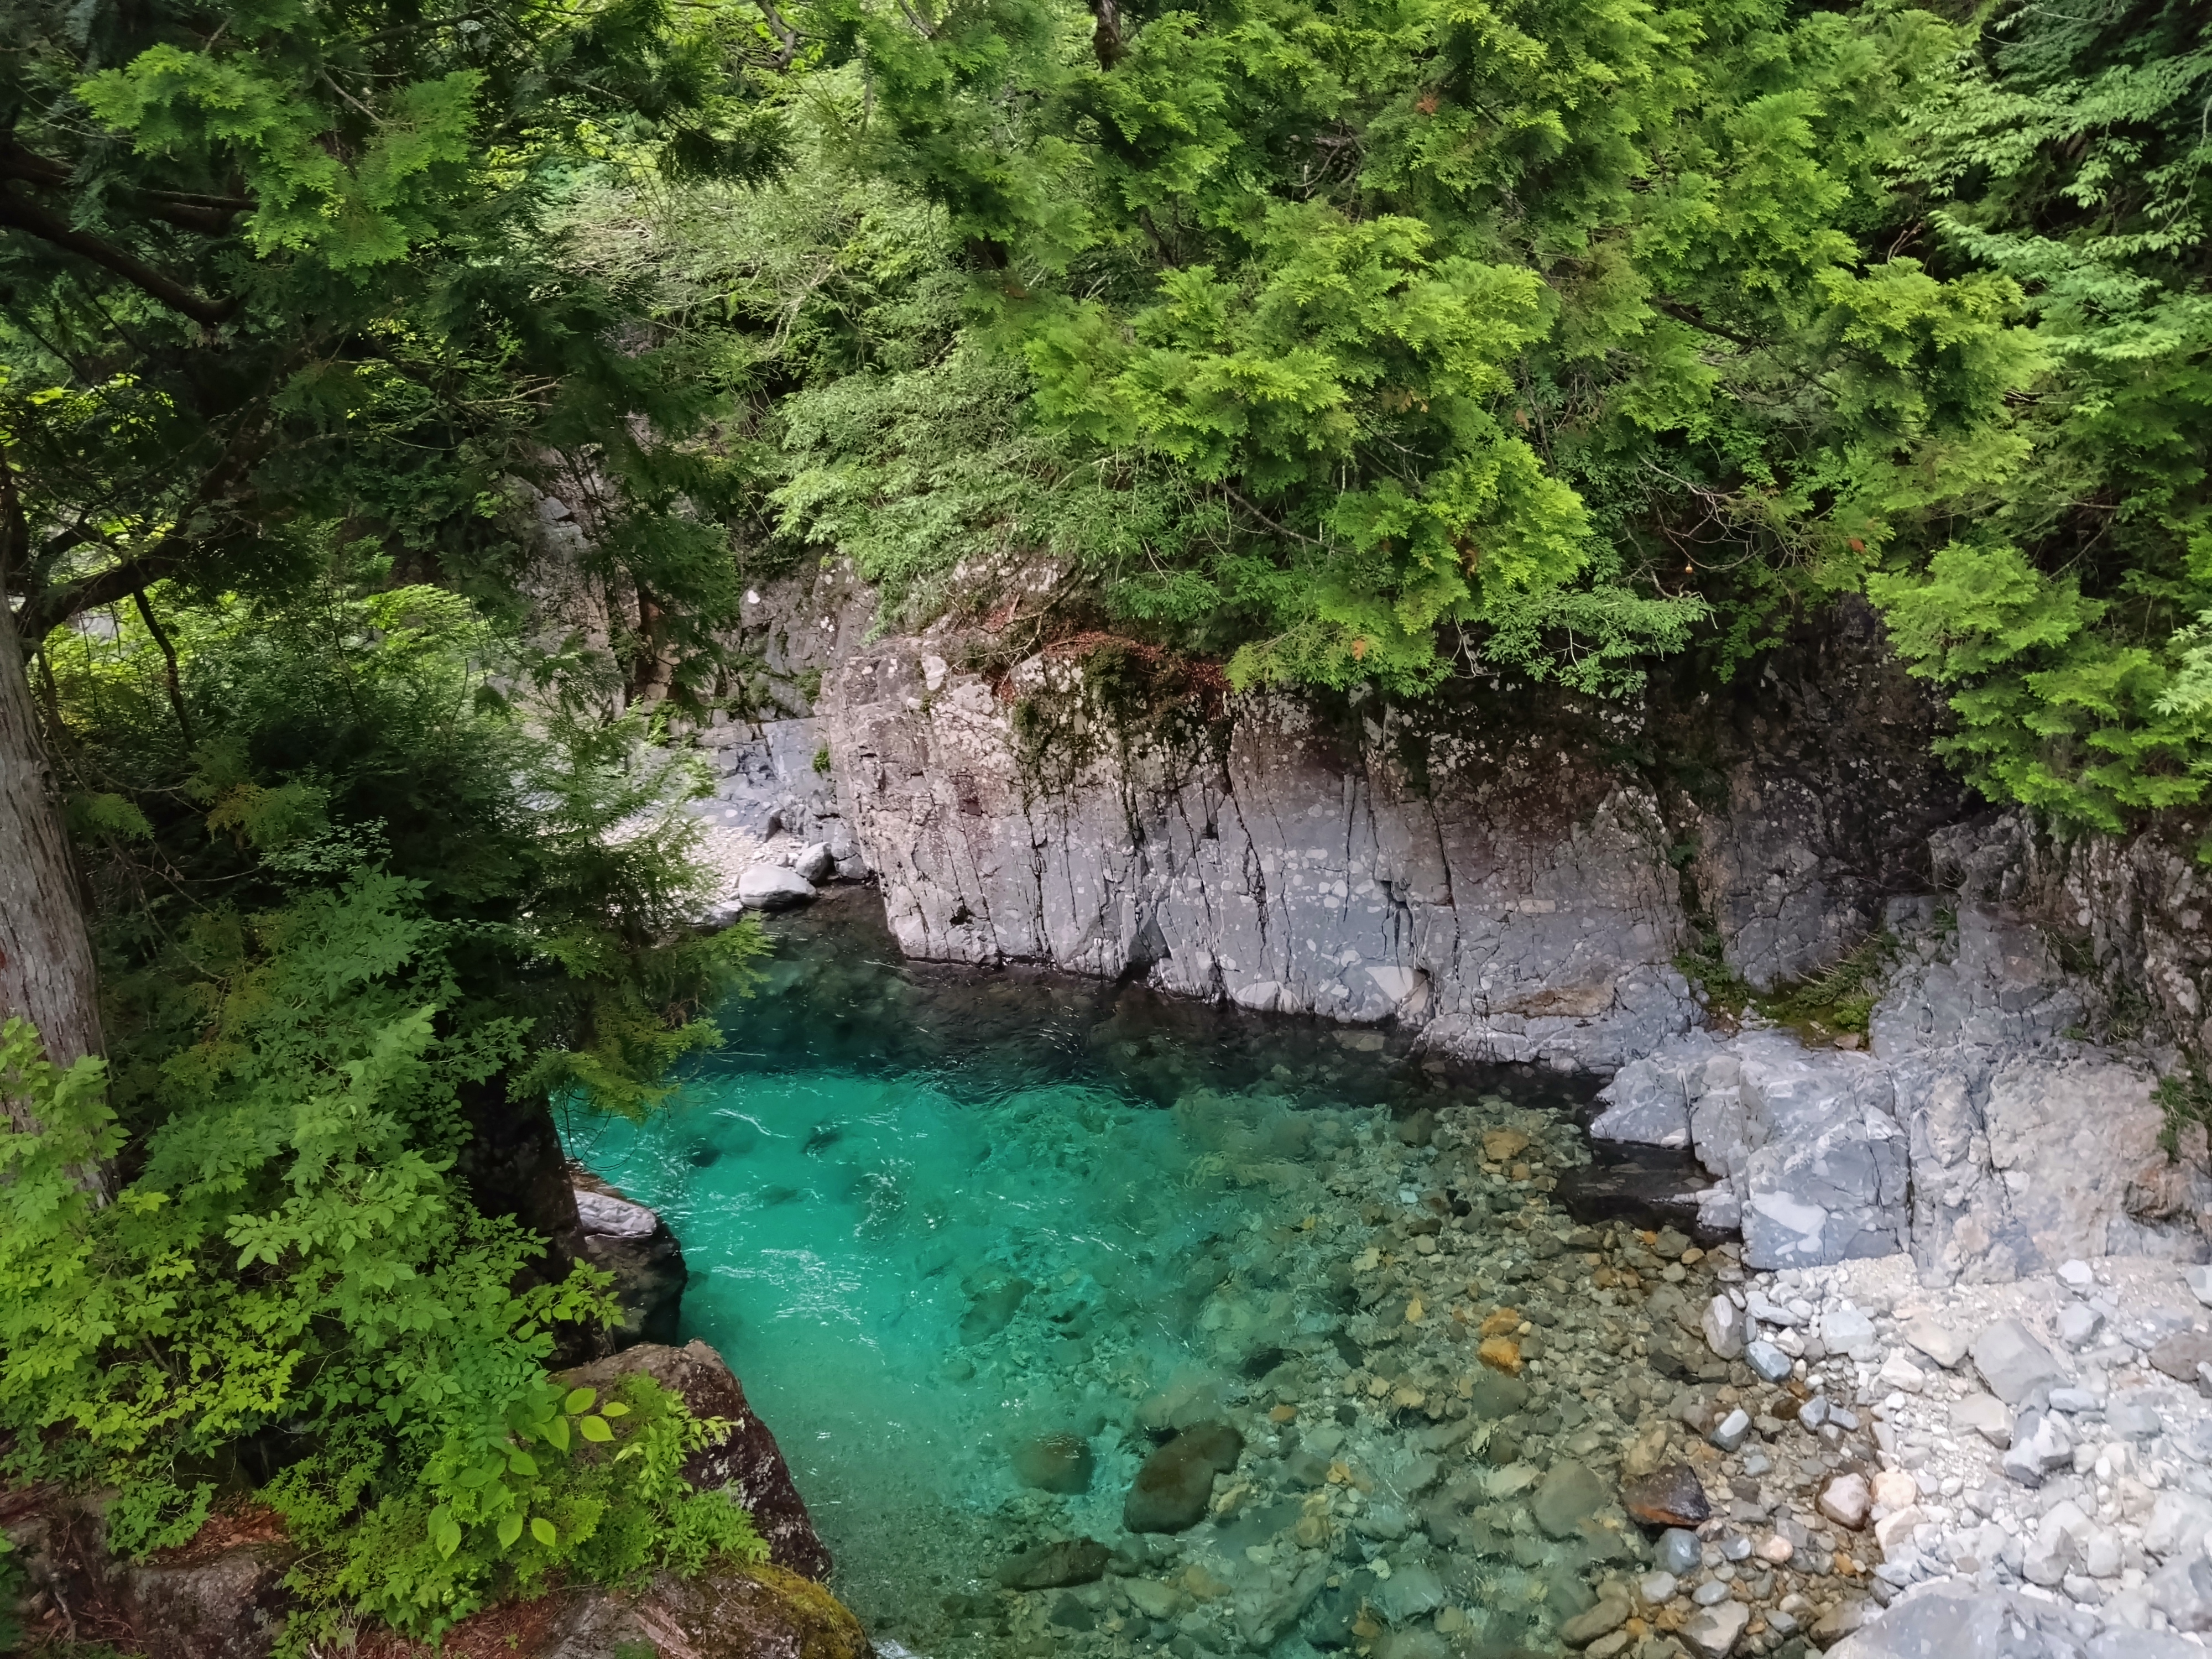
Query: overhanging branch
x=18, y=214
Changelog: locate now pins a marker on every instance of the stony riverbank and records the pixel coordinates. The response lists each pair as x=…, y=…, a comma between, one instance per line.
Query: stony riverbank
x=1482, y=1454
x=2042, y=1449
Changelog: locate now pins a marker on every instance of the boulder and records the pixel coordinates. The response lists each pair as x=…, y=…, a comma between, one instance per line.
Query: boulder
x=1055, y=1566
x=1725, y=1326
x=814, y=863
x=2012, y=1362
x=1567, y=1497
x=1647, y=1103
x=2183, y=1591
x=2179, y=1524
x=1940, y=1342
x=1985, y=1415
x=732, y=1612
x=632, y=1242
x=773, y=887
x=1954, y=1621
x=1712, y=1632
x=1607, y=1616
x=1846, y=1501
x=1172, y=1488
x=1268, y=1602
x=2180, y=1354
x=1497, y=1395
x=2040, y=1443
x=748, y=1463
x=209, y=1601
x=1767, y=1361
x=1847, y=1331
x=1054, y=1462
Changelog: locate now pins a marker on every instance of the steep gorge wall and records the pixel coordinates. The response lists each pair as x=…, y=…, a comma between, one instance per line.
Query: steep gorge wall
x=1512, y=868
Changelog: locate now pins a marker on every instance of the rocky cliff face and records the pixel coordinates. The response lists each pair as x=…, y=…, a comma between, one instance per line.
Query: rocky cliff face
x=1983, y=1133
x=1506, y=889
x=1512, y=870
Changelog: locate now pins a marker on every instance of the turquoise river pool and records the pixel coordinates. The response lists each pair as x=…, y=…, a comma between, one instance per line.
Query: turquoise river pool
x=977, y=1243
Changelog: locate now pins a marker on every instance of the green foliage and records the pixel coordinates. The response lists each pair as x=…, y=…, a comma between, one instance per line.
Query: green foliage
x=2069, y=619
x=289, y=268
x=1471, y=326
x=1838, y=999
x=353, y=726
x=2184, y=1099
x=294, y=1261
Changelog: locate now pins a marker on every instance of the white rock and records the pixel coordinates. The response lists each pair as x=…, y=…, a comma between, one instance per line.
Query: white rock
x=1845, y=1500
x=1941, y=1343
x=1728, y=1433
x=2178, y=1524
x=1727, y=1328
x=1847, y=1331
x=1899, y=1372
x=1714, y=1632
x=1985, y=1415
x=773, y=887
x=2076, y=1275
x=2078, y=1323
x=1894, y=1489
x=1769, y=1362
x=1896, y=1529
x=815, y=862
x=2199, y=1280
x=614, y=1218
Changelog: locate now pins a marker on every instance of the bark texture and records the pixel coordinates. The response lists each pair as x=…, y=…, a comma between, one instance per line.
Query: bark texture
x=46, y=951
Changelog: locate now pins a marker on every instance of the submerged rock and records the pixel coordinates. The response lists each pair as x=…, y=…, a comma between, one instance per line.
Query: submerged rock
x=1054, y=1462
x=1170, y=1492
x=1567, y=1497
x=1672, y=1496
x=994, y=1309
x=1055, y=1567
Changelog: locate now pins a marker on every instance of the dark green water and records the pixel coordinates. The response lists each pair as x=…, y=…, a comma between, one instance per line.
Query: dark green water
x=935, y=1217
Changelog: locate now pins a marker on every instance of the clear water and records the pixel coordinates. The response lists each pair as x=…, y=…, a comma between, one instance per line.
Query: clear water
x=935, y=1218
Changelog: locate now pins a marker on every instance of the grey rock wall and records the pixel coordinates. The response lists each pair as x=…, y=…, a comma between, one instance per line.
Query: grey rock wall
x=1807, y=786
x=1982, y=1132
x=2140, y=905
x=1511, y=893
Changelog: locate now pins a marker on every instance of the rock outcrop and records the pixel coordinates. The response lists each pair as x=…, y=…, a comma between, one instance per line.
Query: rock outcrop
x=632, y=1242
x=734, y=1612
x=1508, y=890
x=1981, y=1132
x=747, y=1462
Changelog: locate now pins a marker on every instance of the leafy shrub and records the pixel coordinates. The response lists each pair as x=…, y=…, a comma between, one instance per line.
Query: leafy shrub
x=293, y=1278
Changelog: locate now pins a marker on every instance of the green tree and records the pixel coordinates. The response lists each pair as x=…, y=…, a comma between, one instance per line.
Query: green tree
x=2071, y=619
x=1516, y=333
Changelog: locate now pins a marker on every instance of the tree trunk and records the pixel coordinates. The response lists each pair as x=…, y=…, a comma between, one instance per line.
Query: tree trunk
x=46, y=950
